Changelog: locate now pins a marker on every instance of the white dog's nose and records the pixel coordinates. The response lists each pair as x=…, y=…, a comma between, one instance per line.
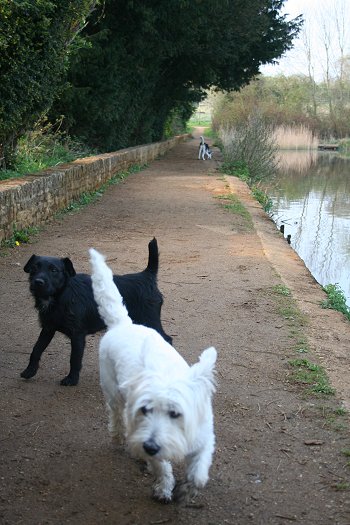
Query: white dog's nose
x=151, y=447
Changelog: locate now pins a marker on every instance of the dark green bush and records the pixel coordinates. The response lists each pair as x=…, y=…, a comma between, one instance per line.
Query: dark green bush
x=35, y=39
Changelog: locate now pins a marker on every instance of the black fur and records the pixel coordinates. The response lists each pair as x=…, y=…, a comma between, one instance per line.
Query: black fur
x=66, y=304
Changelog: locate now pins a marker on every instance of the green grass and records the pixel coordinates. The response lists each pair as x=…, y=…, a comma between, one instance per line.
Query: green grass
x=336, y=300
x=288, y=309
x=231, y=203
x=42, y=148
x=311, y=374
x=241, y=171
x=235, y=169
x=282, y=290
x=208, y=133
x=203, y=119
x=19, y=237
x=262, y=197
x=342, y=486
x=334, y=418
x=32, y=163
x=287, y=306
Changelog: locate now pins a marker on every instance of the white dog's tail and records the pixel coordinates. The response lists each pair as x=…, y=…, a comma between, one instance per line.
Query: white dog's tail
x=106, y=294
x=201, y=141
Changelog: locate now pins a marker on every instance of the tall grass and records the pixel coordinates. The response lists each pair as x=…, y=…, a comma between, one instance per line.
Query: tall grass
x=295, y=137
x=44, y=147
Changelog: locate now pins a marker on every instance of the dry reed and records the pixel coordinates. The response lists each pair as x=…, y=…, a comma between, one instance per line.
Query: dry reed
x=295, y=137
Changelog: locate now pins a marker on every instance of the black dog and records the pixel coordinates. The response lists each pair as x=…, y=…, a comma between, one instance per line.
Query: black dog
x=66, y=304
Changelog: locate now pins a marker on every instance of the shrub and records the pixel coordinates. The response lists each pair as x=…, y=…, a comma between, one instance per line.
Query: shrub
x=250, y=147
x=35, y=40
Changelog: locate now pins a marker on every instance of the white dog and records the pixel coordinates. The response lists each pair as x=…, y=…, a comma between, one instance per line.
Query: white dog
x=204, y=150
x=164, y=403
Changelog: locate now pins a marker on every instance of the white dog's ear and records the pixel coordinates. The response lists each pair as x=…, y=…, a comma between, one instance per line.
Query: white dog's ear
x=203, y=372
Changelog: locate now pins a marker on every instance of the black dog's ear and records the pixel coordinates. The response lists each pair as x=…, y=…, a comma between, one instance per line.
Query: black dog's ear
x=68, y=266
x=29, y=264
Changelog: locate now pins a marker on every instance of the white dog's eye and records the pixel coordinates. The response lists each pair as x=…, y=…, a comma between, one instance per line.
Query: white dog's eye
x=173, y=414
x=145, y=410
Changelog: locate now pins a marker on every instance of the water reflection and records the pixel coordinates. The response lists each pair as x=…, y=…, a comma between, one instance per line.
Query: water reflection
x=299, y=161
x=311, y=196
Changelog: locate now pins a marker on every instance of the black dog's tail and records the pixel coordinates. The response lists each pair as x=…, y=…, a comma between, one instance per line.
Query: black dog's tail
x=153, y=256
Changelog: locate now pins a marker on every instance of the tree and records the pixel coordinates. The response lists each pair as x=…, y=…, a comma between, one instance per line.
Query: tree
x=331, y=97
x=35, y=39
x=279, y=100
x=147, y=60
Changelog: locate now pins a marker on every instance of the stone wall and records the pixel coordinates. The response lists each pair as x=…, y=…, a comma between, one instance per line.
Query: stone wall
x=31, y=200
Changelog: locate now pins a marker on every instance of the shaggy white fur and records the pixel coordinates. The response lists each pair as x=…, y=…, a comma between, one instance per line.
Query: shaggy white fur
x=163, y=404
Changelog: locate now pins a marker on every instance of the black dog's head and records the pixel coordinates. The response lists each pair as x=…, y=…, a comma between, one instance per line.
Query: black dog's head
x=48, y=275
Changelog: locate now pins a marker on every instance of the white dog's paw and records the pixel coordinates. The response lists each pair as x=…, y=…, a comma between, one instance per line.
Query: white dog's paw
x=164, y=480
x=162, y=494
x=184, y=491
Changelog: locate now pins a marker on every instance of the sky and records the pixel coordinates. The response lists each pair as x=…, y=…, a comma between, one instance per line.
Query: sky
x=320, y=20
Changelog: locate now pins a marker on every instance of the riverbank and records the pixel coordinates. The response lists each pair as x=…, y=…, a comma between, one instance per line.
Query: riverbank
x=310, y=199
x=281, y=453
x=327, y=331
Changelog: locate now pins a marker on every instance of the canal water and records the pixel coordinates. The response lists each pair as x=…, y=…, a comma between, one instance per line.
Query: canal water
x=311, y=197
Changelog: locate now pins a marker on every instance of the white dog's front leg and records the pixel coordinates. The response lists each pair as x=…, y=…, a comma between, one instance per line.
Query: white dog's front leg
x=197, y=473
x=115, y=422
x=165, y=481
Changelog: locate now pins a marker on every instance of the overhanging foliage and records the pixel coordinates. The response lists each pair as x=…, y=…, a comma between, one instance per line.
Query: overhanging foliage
x=35, y=38
x=148, y=59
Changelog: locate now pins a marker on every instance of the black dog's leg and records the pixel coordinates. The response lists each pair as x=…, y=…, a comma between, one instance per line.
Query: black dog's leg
x=42, y=343
x=168, y=338
x=76, y=357
x=154, y=321
x=158, y=327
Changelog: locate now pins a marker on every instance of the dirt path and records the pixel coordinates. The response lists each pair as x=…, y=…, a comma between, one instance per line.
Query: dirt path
x=280, y=454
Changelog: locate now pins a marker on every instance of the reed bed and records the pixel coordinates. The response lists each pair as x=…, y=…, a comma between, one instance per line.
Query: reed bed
x=295, y=138
x=226, y=135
